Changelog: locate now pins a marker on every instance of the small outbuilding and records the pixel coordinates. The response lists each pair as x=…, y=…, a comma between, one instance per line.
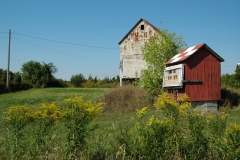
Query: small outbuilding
x=195, y=71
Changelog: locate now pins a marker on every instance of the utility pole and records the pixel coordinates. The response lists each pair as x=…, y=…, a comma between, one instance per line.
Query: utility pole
x=9, y=40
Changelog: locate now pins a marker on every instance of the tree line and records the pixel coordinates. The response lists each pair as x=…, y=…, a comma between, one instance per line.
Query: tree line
x=79, y=80
x=231, y=80
x=34, y=74
x=156, y=51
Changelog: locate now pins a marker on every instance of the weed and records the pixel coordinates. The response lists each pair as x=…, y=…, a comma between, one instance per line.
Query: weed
x=124, y=99
x=78, y=116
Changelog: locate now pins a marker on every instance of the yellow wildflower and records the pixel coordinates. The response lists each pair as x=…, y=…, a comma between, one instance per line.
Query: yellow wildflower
x=49, y=111
x=236, y=127
x=18, y=113
x=209, y=116
x=224, y=115
x=237, y=151
x=149, y=123
x=142, y=112
x=164, y=100
x=184, y=98
x=183, y=107
x=78, y=106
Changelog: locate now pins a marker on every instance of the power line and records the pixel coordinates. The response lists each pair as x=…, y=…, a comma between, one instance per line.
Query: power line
x=63, y=52
x=75, y=44
x=229, y=66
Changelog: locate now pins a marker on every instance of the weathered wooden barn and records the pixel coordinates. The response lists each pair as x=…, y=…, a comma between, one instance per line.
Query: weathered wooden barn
x=132, y=64
x=195, y=71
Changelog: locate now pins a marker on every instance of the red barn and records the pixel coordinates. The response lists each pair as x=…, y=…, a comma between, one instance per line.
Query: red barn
x=195, y=71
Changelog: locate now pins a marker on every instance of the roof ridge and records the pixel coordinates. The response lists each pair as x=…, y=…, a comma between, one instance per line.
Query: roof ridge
x=187, y=52
x=141, y=19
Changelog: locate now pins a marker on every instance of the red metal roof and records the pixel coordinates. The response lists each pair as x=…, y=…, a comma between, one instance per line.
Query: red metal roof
x=186, y=53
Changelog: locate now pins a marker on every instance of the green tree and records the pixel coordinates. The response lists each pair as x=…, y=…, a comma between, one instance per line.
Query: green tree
x=157, y=52
x=228, y=80
x=117, y=78
x=90, y=77
x=106, y=80
x=3, y=76
x=113, y=79
x=95, y=79
x=17, y=78
x=237, y=76
x=37, y=74
x=77, y=80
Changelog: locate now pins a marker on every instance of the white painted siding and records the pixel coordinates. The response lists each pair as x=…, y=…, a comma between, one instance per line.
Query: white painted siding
x=132, y=64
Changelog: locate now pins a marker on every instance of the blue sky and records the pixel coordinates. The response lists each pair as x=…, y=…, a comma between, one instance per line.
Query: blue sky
x=91, y=30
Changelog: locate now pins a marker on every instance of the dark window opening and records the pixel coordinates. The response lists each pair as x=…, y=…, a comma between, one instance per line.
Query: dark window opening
x=142, y=27
x=175, y=94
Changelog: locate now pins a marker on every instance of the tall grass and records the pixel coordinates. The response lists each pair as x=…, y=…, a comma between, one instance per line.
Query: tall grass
x=102, y=142
x=35, y=97
x=171, y=131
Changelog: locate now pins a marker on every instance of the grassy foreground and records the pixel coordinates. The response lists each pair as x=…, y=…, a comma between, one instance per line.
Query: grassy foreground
x=103, y=139
x=35, y=97
x=113, y=137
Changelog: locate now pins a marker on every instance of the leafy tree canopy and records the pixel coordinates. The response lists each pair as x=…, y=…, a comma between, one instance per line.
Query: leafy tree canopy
x=157, y=52
x=38, y=74
x=3, y=76
x=77, y=80
x=237, y=76
x=231, y=80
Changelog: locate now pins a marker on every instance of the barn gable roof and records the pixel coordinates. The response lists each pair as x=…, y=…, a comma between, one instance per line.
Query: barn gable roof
x=136, y=26
x=186, y=53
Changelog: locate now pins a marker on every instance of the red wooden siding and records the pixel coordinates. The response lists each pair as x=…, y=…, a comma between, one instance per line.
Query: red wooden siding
x=204, y=66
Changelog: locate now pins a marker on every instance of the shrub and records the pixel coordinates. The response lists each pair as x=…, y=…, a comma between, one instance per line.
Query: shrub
x=78, y=116
x=233, y=141
x=58, y=83
x=181, y=133
x=77, y=80
x=18, y=117
x=124, y=99
x=230, y=97
x=31, y=129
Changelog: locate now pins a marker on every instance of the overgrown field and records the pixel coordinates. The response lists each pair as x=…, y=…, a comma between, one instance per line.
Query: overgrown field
x=35, y=97
x=73, y=123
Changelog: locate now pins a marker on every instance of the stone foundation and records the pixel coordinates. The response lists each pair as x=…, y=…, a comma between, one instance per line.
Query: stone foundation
x=206, y=107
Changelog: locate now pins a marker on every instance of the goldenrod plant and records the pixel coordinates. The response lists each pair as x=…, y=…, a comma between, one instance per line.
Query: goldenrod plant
x=233, y=142
x=179, y=133
x=21, y=117
x=18, y=117
x=174, y=130
x=47, y=116
x=79, y=116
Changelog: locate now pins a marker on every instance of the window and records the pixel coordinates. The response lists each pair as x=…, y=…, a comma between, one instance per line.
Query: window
x=175, y=77
x=142, y=27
